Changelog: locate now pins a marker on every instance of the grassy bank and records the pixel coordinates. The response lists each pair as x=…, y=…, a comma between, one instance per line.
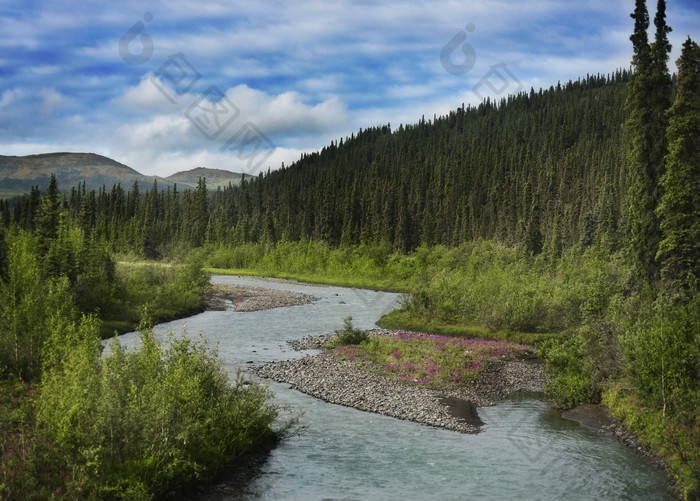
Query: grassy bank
x=166, y=292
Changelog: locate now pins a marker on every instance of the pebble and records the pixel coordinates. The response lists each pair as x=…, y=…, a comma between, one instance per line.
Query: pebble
x=344, y=382
x=245, y=298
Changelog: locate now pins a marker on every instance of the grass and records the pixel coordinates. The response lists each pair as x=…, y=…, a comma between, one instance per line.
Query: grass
x=8, y=193
x=402, y=319
x=359, y=282
x=429, y=359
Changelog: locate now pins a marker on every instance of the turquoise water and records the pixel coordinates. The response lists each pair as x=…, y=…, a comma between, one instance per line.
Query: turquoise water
x=525, y=450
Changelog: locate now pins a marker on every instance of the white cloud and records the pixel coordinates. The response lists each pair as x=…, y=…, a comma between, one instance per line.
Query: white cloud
x=51, y=100
x=45, y=70
x=170, y=140
x=287, y=114
x=145, y=97
x=8, y=97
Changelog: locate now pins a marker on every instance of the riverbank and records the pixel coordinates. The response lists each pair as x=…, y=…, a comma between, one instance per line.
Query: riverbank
x=343, y=382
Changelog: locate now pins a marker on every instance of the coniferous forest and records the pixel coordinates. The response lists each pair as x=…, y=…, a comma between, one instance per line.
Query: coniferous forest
x=566, y=217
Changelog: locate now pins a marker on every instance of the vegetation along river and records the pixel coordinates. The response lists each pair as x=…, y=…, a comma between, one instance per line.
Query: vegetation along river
x=525, y=450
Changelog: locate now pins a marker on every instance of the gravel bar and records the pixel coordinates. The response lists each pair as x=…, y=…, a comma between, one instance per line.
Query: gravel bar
x=343, y=382
x=246, y=298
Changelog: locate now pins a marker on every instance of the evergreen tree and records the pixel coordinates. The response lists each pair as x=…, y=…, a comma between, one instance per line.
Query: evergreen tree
x=647, y=98
x=47, y=218
x=679, y=210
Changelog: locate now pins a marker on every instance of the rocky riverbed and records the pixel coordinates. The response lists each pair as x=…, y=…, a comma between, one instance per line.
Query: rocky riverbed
x=244, y=298
x=343, y=382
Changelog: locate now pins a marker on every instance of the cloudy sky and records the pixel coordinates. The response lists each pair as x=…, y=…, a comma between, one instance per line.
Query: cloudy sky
x=164, y=86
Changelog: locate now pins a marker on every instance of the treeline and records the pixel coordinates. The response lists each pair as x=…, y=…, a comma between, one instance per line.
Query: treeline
x=544, y=168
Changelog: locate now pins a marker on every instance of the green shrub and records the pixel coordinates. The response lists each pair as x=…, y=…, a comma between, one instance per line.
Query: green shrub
x=349, y=334
x=662, y=354
x=146, y=422
x=571, y=382
x=675, y=440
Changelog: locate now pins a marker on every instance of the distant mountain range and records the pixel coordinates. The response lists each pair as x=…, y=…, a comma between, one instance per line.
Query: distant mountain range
x=19, y=173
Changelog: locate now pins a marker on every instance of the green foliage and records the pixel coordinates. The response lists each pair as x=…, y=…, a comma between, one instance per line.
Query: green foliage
x=507, y=289
x=676, y=440
x=349, y=334
x=662, y=354
x=571, y=382
x=679, y=209
x=29, y=463
x=169, y=291
x=147, y=422
x=367, y=266
x=27, y=304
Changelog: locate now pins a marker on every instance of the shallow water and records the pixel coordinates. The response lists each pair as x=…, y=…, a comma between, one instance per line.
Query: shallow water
x=525, y=450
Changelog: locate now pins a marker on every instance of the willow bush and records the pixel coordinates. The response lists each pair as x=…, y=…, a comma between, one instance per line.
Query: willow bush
x=148, y=422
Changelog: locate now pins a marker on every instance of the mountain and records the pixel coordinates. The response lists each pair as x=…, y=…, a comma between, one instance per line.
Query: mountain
x=214, y=177
x=19, y=173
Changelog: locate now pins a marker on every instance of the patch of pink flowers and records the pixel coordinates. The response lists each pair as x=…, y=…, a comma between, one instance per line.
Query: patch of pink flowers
x=429, y=359
x=494, y=347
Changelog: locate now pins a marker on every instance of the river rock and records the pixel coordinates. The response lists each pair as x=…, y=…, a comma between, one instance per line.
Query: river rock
x=345, y=382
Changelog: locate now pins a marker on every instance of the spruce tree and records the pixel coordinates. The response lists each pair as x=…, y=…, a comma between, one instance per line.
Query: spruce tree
x=647, y=99
x=47, y=217
x=679, y=210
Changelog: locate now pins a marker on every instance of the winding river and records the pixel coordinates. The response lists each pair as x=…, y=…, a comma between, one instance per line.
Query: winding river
x=525, y=450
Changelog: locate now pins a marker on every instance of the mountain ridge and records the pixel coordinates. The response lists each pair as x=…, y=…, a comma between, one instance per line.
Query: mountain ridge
x=19, y=173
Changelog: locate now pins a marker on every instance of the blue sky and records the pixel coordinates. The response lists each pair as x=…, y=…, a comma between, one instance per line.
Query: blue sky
x=164, y=86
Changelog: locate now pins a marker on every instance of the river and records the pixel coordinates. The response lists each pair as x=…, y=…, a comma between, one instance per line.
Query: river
x=525, y=449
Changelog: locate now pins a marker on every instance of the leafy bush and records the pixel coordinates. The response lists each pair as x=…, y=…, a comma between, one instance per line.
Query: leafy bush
x=168, y=291
x=349, y=335
x=677, y=441
x=148, y=422
x=571, y=382
x=27, y=303
x=662, y=354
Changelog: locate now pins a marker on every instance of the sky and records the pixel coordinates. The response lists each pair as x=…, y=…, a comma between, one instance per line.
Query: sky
x=166, y=86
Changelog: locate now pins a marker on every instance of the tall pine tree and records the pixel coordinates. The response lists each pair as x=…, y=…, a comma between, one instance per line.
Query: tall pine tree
x=647, y=101
x=679, y=210
x=47, y=217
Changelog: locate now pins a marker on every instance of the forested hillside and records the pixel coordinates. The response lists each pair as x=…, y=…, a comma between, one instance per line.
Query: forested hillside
x=542, y=167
